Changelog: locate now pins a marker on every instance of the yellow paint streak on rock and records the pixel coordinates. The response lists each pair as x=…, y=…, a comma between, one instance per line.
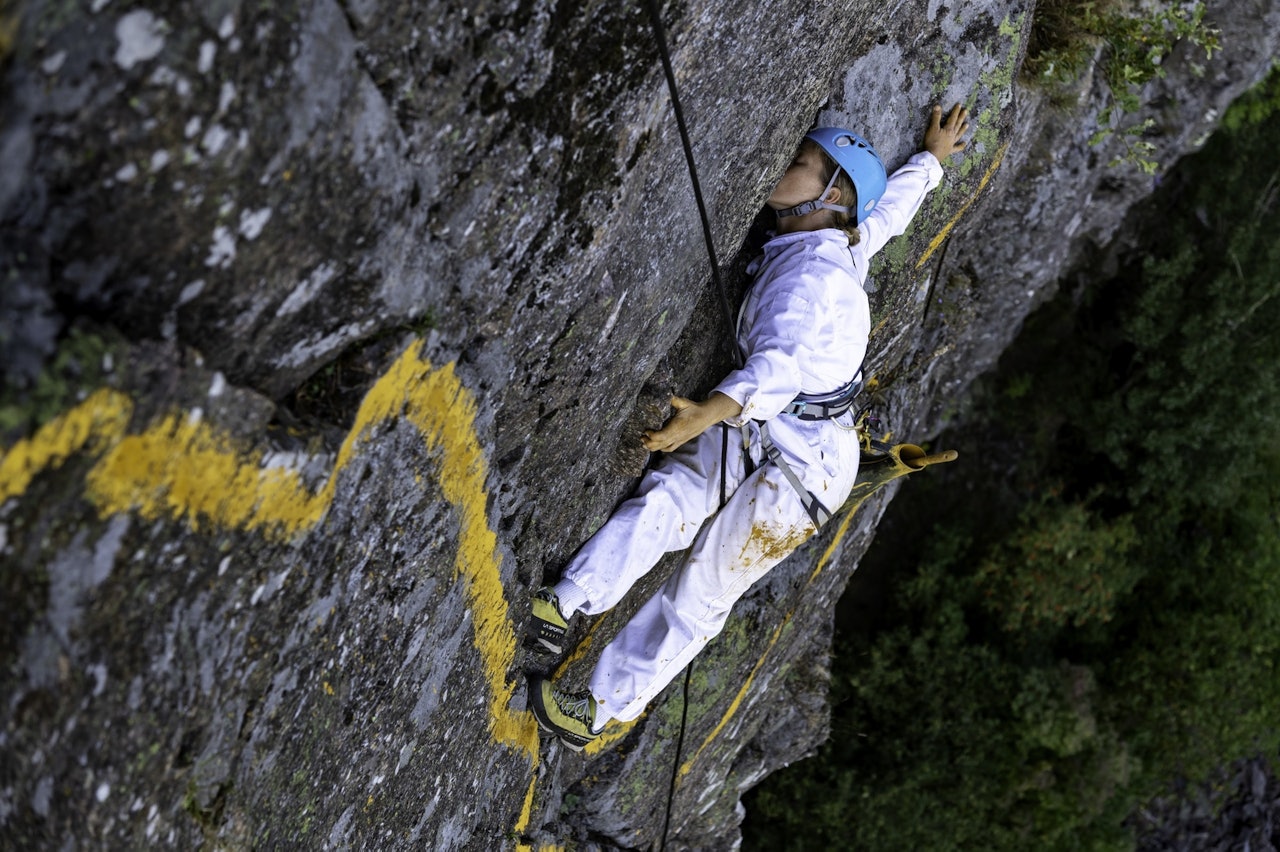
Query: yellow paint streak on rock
x=97, y=422
x=863, y=489
x=937, y=241
x=579, y=651
x=613, y=732
x=737, y=699
x=183, y=468
x=437, y=404
x=526, y=811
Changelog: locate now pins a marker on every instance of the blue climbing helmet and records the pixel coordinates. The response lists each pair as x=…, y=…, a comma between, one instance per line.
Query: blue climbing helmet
x=855, y=156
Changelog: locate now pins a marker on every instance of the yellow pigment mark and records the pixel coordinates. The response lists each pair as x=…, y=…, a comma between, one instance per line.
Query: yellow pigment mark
x=772, y=539
x=870, y=480
x=444, y=412
x=182, y=468
x=580, y=650
x=737, y=699
x=613, y=733
x=93, y=424
x=526, y=811
x=937, y=241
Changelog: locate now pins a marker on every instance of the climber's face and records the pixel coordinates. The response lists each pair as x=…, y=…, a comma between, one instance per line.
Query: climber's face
x=803, y=180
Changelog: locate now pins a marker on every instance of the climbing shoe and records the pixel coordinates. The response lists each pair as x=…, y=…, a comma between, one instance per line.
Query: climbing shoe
x=567, y=715
x=549, y=626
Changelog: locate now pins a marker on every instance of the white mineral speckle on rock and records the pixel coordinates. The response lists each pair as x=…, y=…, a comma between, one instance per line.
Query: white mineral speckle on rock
x=98, y=6
x=284, y=461
x=159, y=160
x=257, y=595
x=224, y=565
x=40, y=799
x=223, y=249
x=226, y=95
x=208, y=50
x=251, y=224
x=215, y=138
x=305, y=292
x=99, y=673
x=54, y=63
x=193, y=127
x=227, y=28
x=194, y=417
x=218, y=386
x=126, y=173
x=104, y=790
x=189, y=292
x=141, y=38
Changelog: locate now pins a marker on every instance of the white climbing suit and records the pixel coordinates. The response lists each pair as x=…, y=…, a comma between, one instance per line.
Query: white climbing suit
x=803, y=329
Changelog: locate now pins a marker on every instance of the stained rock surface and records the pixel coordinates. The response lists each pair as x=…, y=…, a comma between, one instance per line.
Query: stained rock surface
x=327, y=330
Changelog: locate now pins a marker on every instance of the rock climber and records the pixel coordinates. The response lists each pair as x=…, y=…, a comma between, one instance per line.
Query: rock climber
x=792, y=452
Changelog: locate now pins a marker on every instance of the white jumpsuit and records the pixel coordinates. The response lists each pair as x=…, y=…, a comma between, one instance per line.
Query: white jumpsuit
x=803, y=329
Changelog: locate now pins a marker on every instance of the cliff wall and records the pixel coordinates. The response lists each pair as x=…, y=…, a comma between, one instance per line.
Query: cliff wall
x=328, y=328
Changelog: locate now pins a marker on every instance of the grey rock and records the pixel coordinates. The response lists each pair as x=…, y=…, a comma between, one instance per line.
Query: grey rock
x=271, y=204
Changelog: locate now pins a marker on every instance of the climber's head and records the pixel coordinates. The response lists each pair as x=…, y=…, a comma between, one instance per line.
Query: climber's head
x=836, y=171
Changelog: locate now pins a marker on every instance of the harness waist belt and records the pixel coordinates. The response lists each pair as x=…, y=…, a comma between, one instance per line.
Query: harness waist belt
x=828, y=405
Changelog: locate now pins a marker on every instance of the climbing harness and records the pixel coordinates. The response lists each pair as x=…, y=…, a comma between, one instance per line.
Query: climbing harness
x=818, y=513
x=826, y=406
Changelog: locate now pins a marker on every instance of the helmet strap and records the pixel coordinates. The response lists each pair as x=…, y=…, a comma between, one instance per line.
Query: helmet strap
x=819, y=203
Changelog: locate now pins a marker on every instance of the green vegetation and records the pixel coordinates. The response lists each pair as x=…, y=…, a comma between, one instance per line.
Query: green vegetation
x=79, y=365
x=1086, y=606
x=1065, y=40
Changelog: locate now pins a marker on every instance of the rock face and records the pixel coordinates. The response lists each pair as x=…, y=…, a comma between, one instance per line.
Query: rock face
x=327, y=329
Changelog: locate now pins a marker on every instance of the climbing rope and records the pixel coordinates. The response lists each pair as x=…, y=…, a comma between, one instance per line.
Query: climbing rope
x=659, y=33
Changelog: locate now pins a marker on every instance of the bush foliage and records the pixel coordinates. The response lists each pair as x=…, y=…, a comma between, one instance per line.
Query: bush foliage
x=1064, y=642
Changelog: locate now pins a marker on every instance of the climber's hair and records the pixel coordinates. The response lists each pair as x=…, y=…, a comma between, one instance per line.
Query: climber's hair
x=848, y=194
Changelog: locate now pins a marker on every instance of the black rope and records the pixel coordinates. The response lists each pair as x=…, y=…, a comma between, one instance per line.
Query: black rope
x=659, y=32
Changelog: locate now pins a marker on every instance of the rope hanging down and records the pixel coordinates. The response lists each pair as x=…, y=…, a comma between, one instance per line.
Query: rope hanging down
x=659, y=33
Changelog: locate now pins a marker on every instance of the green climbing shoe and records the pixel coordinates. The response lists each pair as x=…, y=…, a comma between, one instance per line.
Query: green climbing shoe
x=548, y=626
x=567, y=715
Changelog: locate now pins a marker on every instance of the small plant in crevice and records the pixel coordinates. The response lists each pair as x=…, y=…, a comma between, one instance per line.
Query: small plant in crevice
x=1065, y=38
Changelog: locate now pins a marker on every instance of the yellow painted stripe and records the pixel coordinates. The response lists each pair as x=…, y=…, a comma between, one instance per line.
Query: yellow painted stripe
x=613, y=732
x=732, y=709
x=98, y=421
x=526, y=812
x=937, y=241
x=183, y=468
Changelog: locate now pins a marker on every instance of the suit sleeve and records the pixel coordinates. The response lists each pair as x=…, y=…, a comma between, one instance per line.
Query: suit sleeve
x=771, y=376
x=903, y=196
